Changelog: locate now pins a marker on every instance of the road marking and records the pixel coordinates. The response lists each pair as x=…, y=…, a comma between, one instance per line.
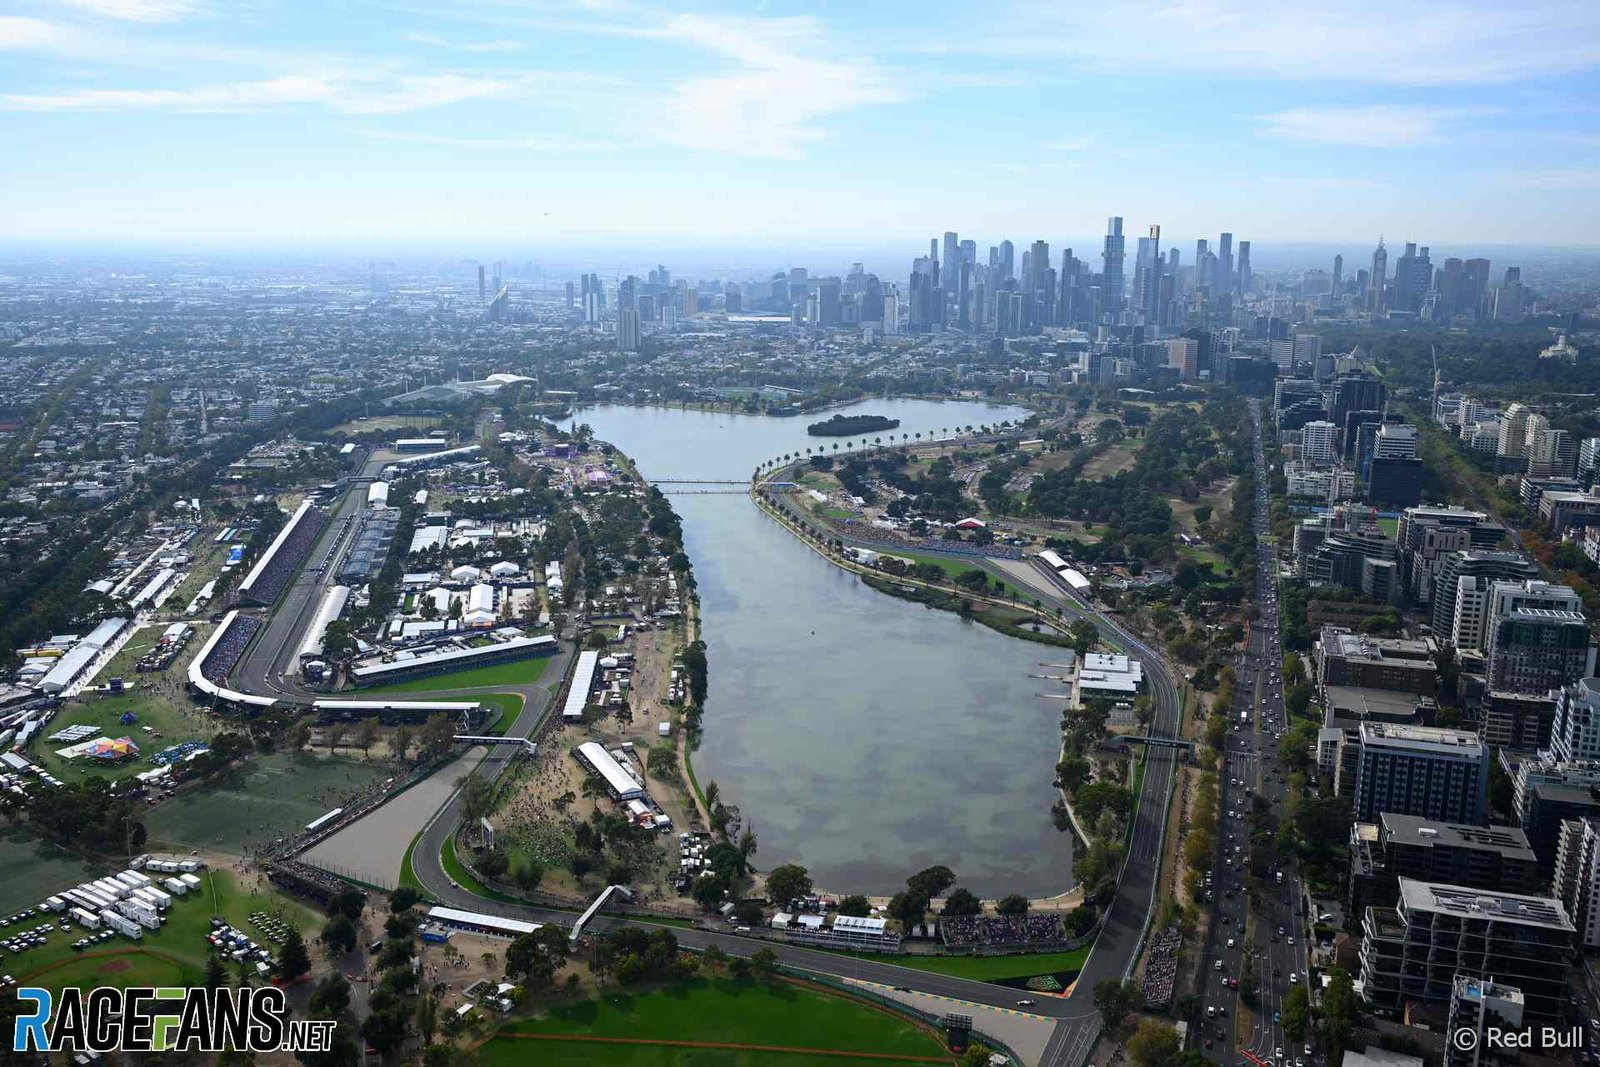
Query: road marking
x=958, y=1000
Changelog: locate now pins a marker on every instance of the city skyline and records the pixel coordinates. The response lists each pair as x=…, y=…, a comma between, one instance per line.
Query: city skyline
x=586, y=123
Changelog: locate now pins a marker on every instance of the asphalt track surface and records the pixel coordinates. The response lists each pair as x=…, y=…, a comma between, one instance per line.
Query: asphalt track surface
x=265, y=670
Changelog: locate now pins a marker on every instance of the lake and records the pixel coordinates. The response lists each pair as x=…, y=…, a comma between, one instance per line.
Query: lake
x=861, y=736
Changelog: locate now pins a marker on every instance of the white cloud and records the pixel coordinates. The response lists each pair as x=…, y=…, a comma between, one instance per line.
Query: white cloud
x=1452, y=42
x=352, y=96
x=17, y=31
x=135, y=10
x=1381, y=126
x=434, y=40
x=771, y=106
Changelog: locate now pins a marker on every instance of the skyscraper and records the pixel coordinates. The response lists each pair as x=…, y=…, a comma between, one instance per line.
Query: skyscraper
x=1244, y=266
x=1008, y=254
x=1536, y=637
x=1413, y=277
x=1113, y=290
x=951, y=262
x=483, y=284
x=1377, y=279
x=1338, y=274
x=1225, y=263
x=628, y=329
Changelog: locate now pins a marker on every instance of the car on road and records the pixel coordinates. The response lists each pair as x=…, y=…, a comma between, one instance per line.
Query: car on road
x=1024, y=1003
x=1276, y=1017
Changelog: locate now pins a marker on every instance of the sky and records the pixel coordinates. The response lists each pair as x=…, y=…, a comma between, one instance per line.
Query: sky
x=544, y=123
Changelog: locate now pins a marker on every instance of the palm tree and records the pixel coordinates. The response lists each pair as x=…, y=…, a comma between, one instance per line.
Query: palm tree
x=836, y=446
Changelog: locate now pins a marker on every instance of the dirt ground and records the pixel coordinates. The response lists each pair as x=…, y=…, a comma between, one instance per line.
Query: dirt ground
x=535, y=798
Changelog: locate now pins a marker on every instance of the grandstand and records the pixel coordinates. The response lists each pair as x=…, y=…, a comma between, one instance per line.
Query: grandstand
x=429, y=460
x=208, y=672
x=972, y=930
x=409, y=667
x=276, y=568
x=395, y=712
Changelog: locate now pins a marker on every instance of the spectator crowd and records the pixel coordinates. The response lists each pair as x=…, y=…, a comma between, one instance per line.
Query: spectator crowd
x=285, y=563
x=963, y=930
x=1161, y=968
x=226, y=652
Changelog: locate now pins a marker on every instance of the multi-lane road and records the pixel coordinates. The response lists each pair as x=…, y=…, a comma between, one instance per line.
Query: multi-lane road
x=1267, y=925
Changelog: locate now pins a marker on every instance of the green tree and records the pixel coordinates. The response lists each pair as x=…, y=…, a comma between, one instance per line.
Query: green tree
x=908, y=907
x=331, y=997
x=787, y=882
x=1013, y=904
x=292, y=958
x=961, y=902
x=1115, y=1000
x=493, y=862
x=1154, y=1044
x=215, y=977
x=856, y=905
x=339, y=934
x=931, y=881
x=1338, y=1010
x=764, y=963
x=1297, y=1014
x=404, y=899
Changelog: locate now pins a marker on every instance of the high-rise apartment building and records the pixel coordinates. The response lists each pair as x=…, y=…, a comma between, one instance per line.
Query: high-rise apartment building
x=1319, y=442
x=1395, y=441
x=1551, y=452
x=1406, y=846
x=1576, y=881
x=1420, y=770
x=1183, y=354
x=629, y=333
x=1414, y=951
x=1487, y=1009
x=1461, y=593
x=1576, y=732
x=1536, y=637
x=1429, y=535
x=1513, y=431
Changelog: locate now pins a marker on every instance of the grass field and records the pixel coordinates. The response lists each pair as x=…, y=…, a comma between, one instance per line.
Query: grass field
x=173, y=955
x=171, y=724
x=1114, y=460
x=31, y=870
x=746, y=1013
x=955, y=568
x=522, y=672
x=386, y=423
x=266, y=798
x=453, y=867
x=1389, y=526
x=990, y=968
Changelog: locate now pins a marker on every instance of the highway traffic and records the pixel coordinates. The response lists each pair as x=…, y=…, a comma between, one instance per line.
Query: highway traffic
x=1257, y=935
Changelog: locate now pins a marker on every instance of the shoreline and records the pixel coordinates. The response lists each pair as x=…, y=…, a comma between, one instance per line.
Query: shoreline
x=1072, y=894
